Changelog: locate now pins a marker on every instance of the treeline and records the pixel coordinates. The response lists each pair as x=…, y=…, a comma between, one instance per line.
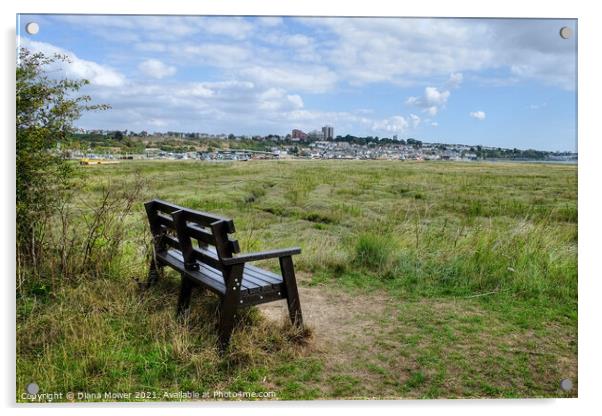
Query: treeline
x=137, y=144
x=98, y=142
x=363, y=141
x=528, y=154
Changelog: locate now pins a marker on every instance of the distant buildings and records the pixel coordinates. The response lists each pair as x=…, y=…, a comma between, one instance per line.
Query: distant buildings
x=327, y=133
x=298, y=134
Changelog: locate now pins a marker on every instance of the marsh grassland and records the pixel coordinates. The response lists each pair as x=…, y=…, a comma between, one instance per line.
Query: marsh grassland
x=418, y=280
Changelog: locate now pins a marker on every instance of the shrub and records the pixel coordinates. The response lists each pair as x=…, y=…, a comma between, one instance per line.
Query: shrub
x=46, y=109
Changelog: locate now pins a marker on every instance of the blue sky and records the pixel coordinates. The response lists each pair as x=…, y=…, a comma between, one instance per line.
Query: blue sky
x=495, y=82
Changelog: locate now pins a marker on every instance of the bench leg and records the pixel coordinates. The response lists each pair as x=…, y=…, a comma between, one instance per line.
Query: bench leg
x=153, y=273
x=229, y=305
x=226, y=325
x=292, y=294
x=184, y=298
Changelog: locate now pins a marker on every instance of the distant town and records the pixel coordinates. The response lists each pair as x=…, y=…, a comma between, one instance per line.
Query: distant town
x=112, y=145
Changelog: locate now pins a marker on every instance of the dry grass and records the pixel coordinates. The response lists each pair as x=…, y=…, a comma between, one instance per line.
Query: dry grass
x=417, y=280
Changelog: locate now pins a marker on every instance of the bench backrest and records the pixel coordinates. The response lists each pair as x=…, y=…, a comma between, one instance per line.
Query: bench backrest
x=200, y=236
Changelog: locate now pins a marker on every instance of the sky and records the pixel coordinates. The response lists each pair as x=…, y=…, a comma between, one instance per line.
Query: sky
x=495, y=82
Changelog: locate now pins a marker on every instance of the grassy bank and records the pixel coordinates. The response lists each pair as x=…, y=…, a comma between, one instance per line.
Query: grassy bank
x=461, y=277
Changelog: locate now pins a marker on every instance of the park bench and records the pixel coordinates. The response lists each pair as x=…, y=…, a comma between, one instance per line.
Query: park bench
x=198, y=246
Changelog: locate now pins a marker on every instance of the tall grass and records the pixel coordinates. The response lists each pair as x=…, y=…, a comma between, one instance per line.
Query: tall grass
x=373, y=252
x=88, y=238
x=475, y=231
x=103, y=336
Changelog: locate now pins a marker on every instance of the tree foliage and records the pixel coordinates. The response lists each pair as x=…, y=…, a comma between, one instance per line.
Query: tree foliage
x=46, y=109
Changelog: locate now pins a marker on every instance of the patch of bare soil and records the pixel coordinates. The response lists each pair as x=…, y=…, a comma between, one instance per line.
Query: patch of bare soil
x=356, y=334
x=343, y=325
x=334, y=316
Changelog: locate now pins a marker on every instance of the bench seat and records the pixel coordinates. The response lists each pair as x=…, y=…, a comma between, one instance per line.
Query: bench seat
x=257, y=284
x=200, y=247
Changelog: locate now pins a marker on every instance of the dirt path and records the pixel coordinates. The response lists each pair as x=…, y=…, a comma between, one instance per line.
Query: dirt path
x=431, y=347
x=334, y=316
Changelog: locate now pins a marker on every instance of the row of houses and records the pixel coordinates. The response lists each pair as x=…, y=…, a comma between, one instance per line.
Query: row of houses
x=344, y=150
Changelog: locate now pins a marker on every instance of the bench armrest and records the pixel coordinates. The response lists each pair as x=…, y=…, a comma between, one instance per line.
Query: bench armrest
x=229, y=261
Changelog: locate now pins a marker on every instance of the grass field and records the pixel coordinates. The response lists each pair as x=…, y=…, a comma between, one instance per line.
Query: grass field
x=418, y=280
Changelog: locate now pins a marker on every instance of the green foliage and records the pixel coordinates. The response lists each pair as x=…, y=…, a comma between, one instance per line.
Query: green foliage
x=46, y=110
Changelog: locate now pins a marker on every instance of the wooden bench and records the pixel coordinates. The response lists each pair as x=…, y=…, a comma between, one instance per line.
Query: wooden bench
x=198, y=246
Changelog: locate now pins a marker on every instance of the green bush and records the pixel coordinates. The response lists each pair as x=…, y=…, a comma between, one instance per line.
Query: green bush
x=46, y=109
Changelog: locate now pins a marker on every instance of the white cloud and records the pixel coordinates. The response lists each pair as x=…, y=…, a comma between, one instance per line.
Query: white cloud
x=395, y=124
x=314, y=79
x=401, y=50
x=431, y=101
x=434, y=124
x=221, y=55
x=431, y=111
x=365, y=50
x=156, y=69
x=406, y=51
x=435, y=97
x=479, y=115
x=161, y=28
x=232, y=26
x=292, y=47
x=455, y=79
x=198, y=90
x=78, y=68
x=295, y=100
x=298, y=40
x=257, y=55
x=231, y=106
x=277, y=99
x=533, y=50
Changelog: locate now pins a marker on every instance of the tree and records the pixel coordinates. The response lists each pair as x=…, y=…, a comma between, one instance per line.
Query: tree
x=46, y=110
x=414, y=142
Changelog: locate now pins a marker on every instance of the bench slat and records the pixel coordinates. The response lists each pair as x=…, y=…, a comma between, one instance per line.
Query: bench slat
x=254, y=284
x=161, y=213
x=260, y=277
x=215, y=274
x=207, y=237
x=268, y=274
x=246, y=283
x=206, y=256
x=200, y=234
x=203, y=268
x=175, y=260
x=251, y=282
x=165, y=221
x=171, y=241
x=203, y=218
